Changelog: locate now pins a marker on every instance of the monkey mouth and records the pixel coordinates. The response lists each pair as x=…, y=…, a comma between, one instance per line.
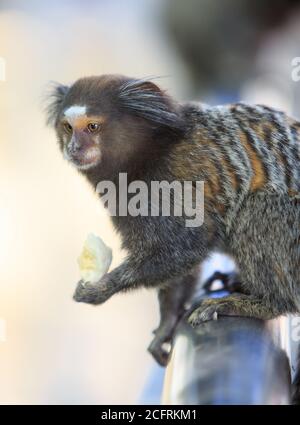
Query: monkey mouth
x=87, y=159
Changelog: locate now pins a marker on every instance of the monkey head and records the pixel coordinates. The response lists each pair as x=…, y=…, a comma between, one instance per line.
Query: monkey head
x=112, y=120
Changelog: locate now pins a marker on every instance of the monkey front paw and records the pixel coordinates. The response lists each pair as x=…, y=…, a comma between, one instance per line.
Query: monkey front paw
x=85, y=292
x=92, y=293
x=210, y=309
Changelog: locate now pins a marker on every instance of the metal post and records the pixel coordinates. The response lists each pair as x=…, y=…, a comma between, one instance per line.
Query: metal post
x=231, y=360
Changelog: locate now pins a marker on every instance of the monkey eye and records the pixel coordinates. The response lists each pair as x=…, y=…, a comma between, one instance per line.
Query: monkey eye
x=68, y=128
x=93, y=127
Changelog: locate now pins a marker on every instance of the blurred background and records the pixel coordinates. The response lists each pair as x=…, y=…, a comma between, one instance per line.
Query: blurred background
x=53, y=350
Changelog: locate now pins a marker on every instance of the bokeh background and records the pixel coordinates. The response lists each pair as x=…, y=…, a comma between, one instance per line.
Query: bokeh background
x=53, y=350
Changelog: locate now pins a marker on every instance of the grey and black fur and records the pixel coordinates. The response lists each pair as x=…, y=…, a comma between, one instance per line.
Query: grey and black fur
x=249, y=158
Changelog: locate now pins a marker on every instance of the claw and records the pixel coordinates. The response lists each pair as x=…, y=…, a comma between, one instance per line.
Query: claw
x=202, y=315
x=208, y=310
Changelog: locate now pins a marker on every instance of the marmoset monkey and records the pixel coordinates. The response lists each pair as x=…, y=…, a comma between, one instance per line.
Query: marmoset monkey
x=247, y=156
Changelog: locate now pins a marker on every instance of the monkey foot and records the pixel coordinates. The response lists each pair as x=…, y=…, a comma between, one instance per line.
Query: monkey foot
x=160, y=351
x=210, y=309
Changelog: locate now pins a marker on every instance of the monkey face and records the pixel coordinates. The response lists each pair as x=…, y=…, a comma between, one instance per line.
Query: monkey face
x=80, y=135
x=90, y=137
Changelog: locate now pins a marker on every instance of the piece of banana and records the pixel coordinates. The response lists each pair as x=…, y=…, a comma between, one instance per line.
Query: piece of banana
x=95, y=259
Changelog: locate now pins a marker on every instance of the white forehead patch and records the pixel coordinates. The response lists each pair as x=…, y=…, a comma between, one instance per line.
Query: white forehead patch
x=75, y=111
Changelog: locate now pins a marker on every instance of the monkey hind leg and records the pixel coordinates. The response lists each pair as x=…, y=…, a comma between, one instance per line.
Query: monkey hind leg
x=265, y=242
x=173, y=300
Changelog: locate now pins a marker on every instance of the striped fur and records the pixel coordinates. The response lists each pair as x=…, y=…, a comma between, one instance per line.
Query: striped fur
x=240, y=149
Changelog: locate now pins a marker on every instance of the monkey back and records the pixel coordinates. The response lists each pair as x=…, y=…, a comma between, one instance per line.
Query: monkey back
x=238, y=149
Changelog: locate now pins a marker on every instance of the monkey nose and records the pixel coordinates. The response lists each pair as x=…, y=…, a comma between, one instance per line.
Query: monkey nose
x=75, y=148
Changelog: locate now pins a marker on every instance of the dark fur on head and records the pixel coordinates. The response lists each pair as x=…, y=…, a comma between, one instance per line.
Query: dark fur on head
x=55, y=101
x=146, y=100
x=138, y=97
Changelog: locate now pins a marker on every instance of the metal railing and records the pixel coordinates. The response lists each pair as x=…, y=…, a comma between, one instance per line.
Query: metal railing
x=230, y=361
